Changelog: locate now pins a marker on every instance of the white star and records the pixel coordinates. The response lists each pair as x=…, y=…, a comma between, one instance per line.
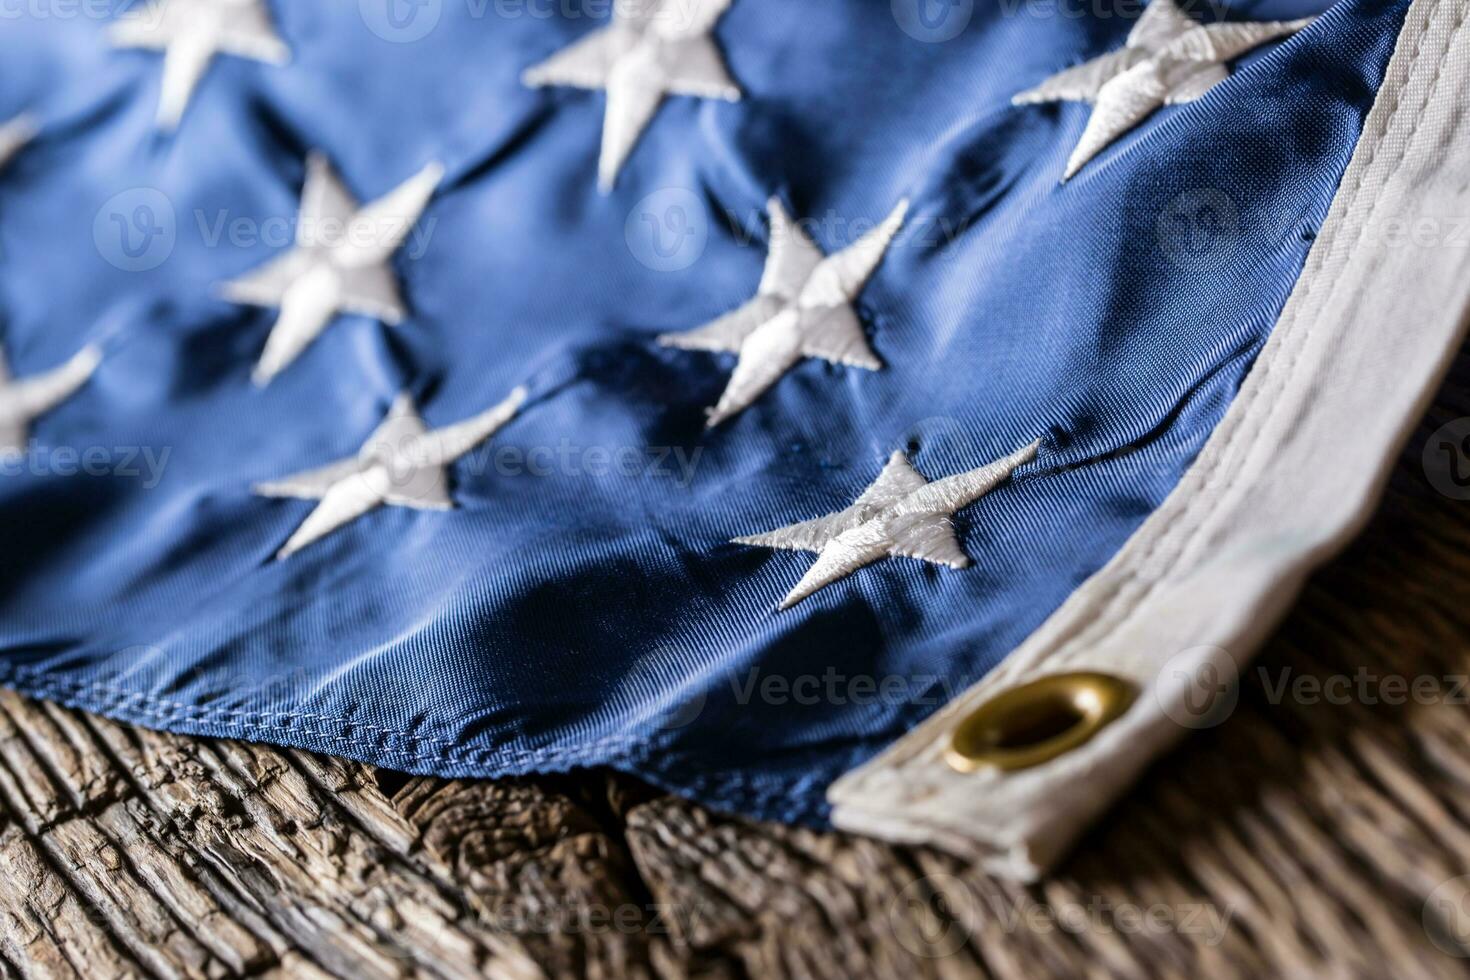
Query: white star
x=652, y=50
x=191, y=33
x=902, y=515
x=1169, y=59
x=340, y=263
x=803, y=308
x=402, y=464
x=14, y=135
x=22, y=401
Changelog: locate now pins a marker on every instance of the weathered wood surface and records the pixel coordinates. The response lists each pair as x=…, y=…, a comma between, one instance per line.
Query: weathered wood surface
x=1302, y=838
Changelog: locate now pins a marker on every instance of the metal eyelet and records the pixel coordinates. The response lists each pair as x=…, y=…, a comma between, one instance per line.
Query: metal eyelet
x=1036, y=722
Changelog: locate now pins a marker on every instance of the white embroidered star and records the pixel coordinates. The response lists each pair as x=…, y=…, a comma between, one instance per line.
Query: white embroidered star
x=191, y=33
x=902, y=515
x=1169, y=59
x=340, y=263
x=13, y=135
x=22, y=401
x=803, y=308
x=402, y=464
x=652, y=50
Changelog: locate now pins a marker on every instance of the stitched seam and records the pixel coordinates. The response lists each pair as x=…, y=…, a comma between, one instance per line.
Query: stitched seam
x=731, y=787
x=122, y=694
x=155, y=708
x=1298, y=343
x=1113, y=610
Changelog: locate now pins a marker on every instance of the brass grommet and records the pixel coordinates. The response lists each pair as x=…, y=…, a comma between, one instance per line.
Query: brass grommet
x=1037, y=722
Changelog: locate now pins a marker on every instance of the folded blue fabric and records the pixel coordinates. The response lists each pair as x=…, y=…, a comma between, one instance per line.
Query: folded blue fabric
x=589, y=576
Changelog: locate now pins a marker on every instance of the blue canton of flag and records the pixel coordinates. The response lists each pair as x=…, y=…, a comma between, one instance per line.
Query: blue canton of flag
x=710, y=389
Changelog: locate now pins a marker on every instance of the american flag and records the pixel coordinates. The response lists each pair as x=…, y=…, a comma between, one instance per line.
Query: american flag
x=710, y=389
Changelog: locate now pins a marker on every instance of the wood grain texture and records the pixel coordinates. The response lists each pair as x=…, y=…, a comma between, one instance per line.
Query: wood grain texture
x=1304, y=837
